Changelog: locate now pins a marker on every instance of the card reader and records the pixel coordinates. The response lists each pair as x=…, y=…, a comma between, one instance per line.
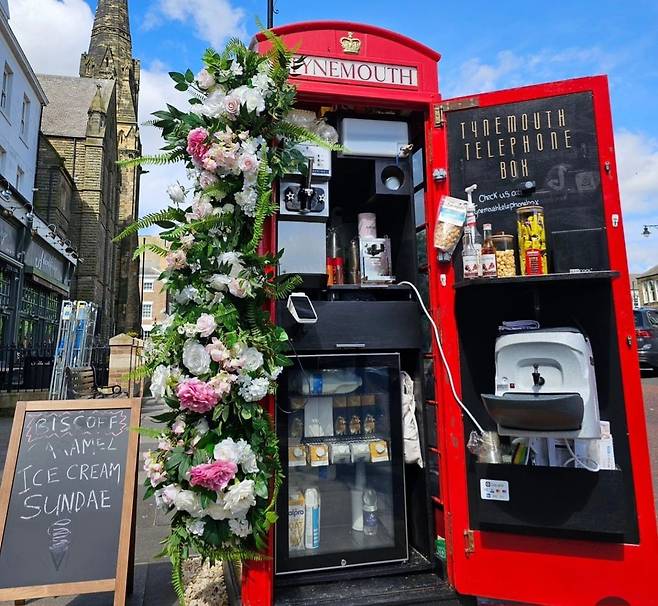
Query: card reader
x=301, y=308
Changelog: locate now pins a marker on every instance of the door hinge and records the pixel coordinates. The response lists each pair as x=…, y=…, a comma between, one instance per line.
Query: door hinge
x=469, y=543
x=440, y=109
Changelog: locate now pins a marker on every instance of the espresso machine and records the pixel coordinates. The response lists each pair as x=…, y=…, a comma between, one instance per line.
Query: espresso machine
x=303, y=216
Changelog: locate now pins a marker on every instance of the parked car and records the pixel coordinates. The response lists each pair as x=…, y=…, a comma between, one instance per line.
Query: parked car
x=646, y=331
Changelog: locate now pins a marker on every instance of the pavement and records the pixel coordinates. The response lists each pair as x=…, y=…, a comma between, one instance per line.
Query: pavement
x=152, y=585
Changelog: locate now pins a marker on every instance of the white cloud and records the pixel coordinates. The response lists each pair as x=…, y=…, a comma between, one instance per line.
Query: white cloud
x=214, y=20
x=157, y=89
x=510, y=69
x=36, y=21
x=637, y=163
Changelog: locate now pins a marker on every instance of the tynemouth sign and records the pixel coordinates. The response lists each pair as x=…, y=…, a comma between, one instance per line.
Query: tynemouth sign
x=331, y=68
x=66, y=499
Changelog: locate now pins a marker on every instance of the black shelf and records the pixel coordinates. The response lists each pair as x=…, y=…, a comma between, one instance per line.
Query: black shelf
x=528, y=280
x=367, y=287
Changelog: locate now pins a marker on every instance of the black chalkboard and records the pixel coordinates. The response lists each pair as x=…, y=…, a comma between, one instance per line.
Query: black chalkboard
x=65, y=493
x=550, y=141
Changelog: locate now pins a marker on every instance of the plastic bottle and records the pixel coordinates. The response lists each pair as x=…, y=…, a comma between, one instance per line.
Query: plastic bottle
x=357, y=497
x=370, y=519
x=327, y=382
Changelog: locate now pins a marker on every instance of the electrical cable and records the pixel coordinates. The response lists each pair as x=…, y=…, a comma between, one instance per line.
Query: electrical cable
x=443, y=357
x=576, y=459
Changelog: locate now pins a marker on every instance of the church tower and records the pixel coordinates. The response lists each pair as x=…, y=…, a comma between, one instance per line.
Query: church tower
x=110, y=57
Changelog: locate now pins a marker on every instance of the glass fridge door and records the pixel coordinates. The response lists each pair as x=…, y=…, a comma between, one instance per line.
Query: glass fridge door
x=339, y=422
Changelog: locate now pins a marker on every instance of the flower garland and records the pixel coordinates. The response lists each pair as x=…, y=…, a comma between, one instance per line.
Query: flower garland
x=216, y=469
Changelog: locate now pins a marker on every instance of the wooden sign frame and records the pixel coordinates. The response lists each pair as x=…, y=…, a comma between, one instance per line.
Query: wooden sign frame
x=118, y=584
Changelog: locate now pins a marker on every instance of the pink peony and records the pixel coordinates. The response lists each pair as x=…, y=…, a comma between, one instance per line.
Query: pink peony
x=197, y=145
x=218, y=351
x=197, y=396
x=214, y=476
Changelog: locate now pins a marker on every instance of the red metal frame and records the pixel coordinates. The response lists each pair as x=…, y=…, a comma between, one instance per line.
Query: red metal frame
x=505, y=566
x=533, y=569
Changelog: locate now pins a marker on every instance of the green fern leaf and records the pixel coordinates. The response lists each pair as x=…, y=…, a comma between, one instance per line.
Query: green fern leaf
x=169, y=214
x=148, y=246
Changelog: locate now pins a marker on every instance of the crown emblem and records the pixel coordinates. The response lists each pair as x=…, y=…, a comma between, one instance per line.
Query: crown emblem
x=350, y=44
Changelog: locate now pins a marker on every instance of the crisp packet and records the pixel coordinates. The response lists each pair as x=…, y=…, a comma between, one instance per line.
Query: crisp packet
x=449, y=223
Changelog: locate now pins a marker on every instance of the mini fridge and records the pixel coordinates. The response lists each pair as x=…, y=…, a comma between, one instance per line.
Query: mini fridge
x=339, y=422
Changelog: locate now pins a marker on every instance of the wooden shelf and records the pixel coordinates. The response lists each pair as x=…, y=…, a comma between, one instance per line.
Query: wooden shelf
x=529, y=280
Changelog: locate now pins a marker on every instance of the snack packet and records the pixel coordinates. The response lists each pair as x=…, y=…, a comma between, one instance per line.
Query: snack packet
x=449, y=223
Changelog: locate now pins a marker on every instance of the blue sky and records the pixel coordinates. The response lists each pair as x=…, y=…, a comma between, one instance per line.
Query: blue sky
x=485, y=46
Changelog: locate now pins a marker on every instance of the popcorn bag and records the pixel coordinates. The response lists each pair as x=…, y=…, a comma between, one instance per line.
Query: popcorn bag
x=449, y=224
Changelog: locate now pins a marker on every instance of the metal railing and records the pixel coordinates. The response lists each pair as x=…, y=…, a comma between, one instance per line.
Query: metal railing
x=31, y=368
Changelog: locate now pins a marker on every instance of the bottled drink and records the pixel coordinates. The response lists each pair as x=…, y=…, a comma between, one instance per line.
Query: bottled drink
x=470, y=258
x=476, y=236
x=488, y=256
x=370, y=520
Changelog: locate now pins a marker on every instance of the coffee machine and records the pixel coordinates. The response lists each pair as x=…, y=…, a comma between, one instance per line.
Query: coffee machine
x=303, y=216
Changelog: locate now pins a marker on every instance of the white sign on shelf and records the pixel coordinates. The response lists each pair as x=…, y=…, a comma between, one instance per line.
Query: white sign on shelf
x=494, y=490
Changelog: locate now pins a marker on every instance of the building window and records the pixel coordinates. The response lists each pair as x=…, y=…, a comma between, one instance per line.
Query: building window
x=148, y=285
x=20, y=173
x=147, y=311
x=25, y=117
x=5, y=94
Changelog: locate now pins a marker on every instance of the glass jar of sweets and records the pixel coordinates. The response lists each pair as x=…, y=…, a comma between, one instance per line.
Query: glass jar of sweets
x=505, y=255
x=532, y=240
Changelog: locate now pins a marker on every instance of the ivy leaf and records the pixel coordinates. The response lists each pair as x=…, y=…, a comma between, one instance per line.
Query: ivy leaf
x=177, y=77
x=271, y=517
x=189, y=76
x=182, y=86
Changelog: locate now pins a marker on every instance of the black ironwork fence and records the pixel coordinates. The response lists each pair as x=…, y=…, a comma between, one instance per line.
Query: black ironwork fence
x=31, y=368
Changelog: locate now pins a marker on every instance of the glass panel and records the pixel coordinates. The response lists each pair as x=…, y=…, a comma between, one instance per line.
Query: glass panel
x=345, y=497
x=419, y=207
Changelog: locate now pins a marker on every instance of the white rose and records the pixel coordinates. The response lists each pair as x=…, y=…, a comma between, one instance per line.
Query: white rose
x=251, y=98
x=216, y=510
x=195, y=358
x=251, y=359
x=248, y=163
x=177, y=193
x=213, y=106
x=240, y=288
x=205, y=79
x=227, y=450
x=231, y=105
x=240, y=528
x=240, y=498
x=219, y=282
x=206, y=325
x=159, y=381
x=189, y=501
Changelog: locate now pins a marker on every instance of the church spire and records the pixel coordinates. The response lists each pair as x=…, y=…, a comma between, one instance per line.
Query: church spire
x=111, y=32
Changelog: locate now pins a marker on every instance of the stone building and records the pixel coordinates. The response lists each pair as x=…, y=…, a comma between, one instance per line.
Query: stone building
x=78, y=183
x=110, y=57
x=90, y=124
x=154, y=297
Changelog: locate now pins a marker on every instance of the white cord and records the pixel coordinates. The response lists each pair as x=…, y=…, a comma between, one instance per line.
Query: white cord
x=578, y=460
x=443, y=357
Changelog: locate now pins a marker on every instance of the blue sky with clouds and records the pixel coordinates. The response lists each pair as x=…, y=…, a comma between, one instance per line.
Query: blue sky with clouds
x=485, y=46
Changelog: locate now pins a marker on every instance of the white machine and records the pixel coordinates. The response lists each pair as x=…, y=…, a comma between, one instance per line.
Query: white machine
x=545, y=385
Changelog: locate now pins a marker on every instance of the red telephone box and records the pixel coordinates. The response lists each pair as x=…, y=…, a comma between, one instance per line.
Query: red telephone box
x=545, y=533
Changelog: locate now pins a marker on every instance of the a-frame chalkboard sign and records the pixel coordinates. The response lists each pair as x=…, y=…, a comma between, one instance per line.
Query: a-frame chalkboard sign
x=66, y=499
